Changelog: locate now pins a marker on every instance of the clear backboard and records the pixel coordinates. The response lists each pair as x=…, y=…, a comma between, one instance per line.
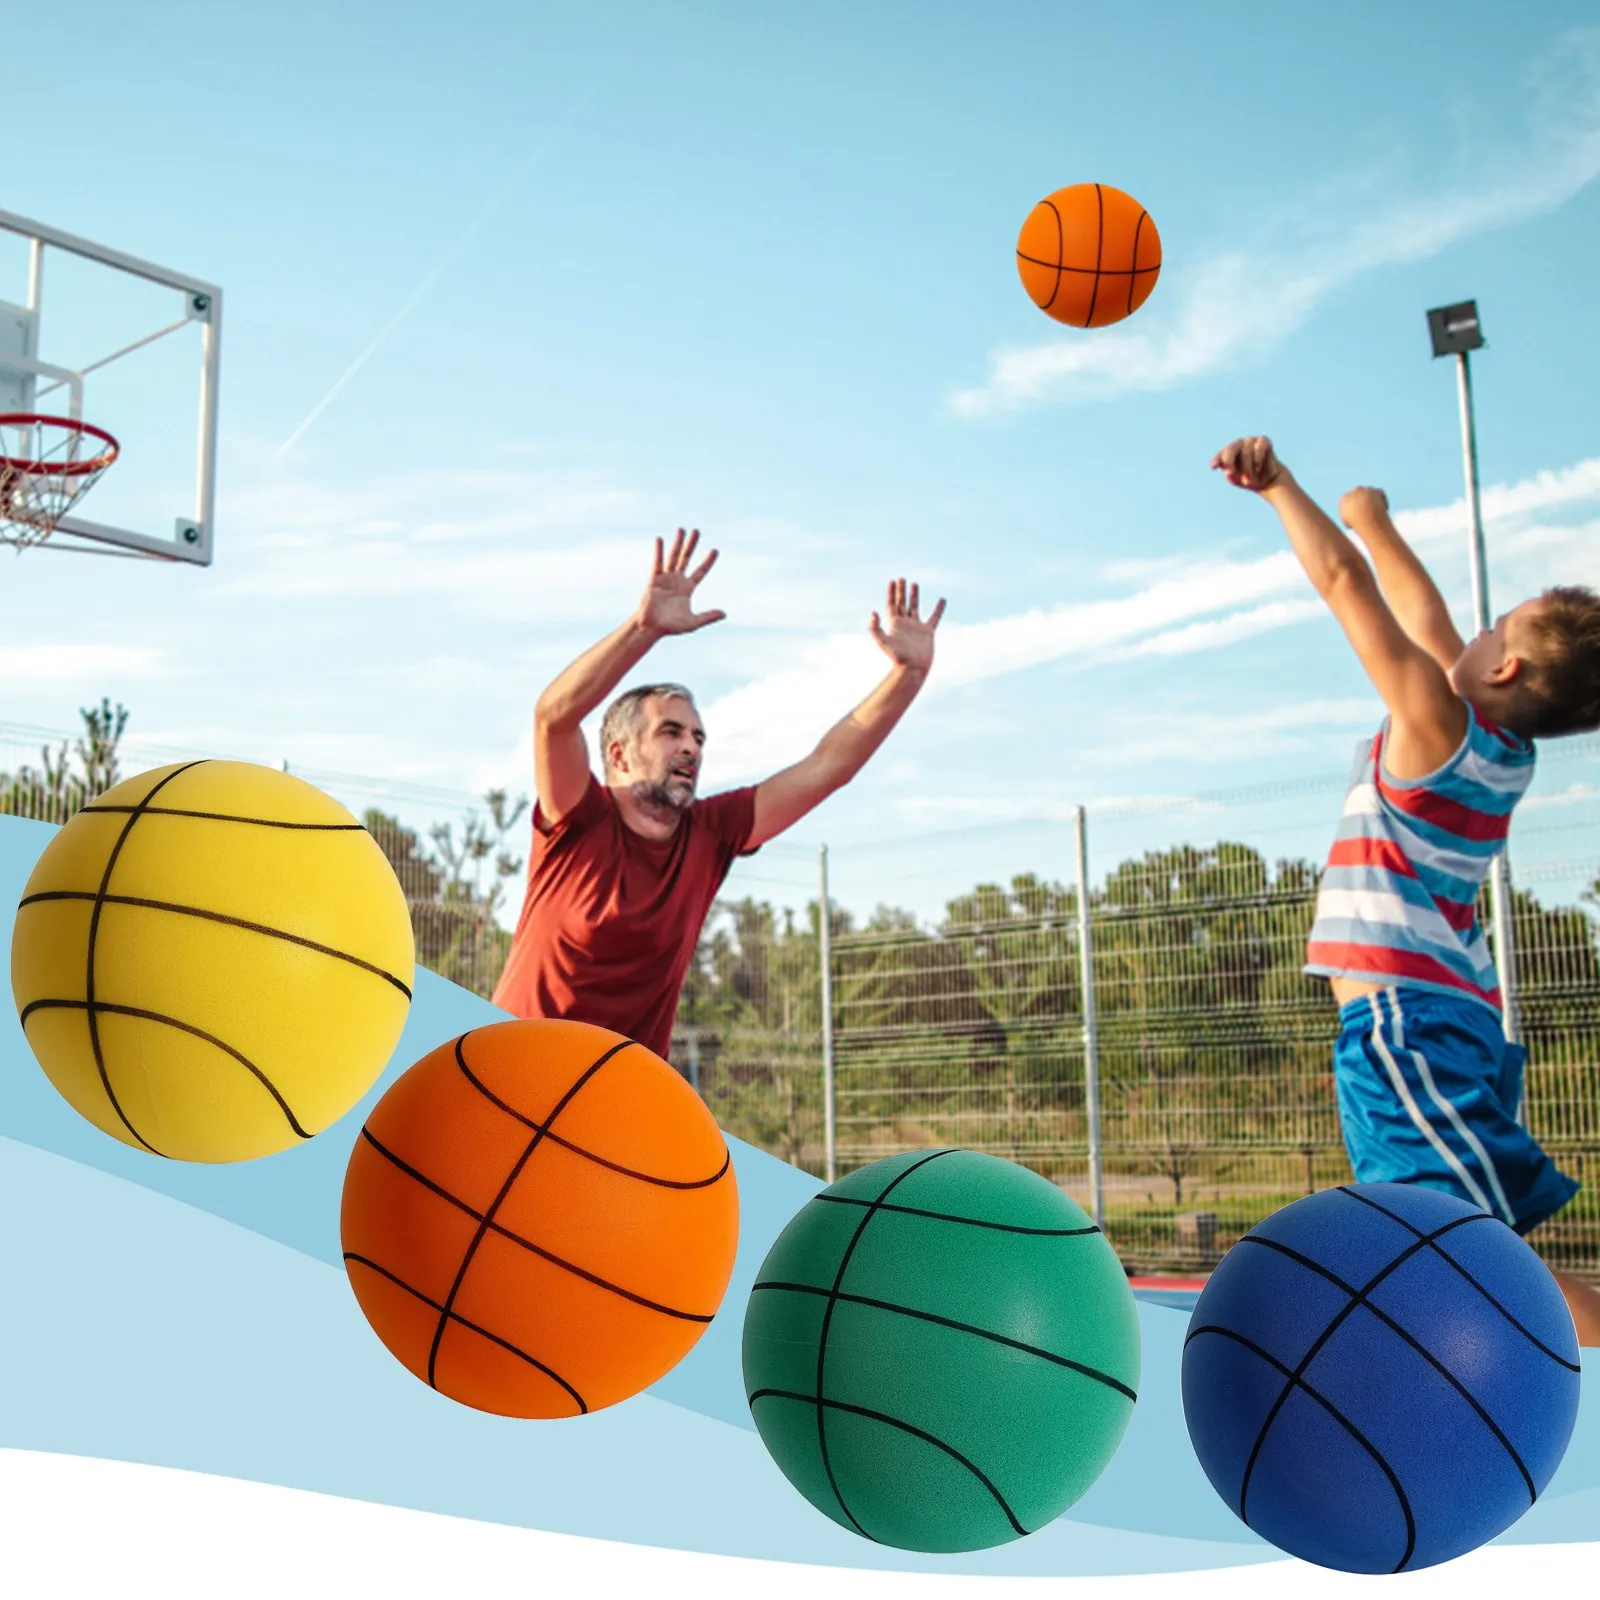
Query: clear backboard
x=103, y=338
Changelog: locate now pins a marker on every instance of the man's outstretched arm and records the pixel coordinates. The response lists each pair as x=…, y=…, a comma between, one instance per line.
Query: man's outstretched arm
x=560, y=758
x=1411, y=592
x=846, y=747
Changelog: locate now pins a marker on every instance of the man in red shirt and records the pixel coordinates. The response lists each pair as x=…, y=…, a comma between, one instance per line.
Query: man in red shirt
x=623, y=872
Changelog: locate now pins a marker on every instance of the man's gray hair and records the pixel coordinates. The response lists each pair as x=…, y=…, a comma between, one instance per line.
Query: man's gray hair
x=624, y=718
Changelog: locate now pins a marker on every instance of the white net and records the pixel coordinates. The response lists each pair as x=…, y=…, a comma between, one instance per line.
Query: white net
x=47, y=464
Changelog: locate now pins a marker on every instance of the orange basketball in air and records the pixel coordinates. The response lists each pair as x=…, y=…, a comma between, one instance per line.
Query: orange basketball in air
x=1089, y=255
x=540, y=1218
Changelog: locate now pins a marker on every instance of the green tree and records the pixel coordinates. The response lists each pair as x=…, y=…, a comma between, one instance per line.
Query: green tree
x=97, y=749
x=454, y=890
x=474, y=869
x=752, y=1003
x=54, y=792
x=1021, y=947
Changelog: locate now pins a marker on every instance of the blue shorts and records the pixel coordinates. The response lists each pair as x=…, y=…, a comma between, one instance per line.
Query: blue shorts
x=1429, y=1090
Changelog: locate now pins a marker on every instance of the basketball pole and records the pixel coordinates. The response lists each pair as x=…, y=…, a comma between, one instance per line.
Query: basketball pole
x=1499, y=874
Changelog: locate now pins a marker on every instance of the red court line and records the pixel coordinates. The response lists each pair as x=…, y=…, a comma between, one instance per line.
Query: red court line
x=1167, y=1283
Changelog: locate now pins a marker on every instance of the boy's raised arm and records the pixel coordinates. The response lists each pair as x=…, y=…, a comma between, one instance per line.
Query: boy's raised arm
x=1406, y=585
x=1427, y=719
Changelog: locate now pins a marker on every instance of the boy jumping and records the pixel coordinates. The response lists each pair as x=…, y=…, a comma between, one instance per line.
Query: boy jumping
x=1428, y=1085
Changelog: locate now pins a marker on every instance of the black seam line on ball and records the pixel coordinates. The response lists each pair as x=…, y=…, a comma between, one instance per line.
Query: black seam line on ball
x=455, y=1316
x=1061, y=250
x=217, y=916
x=1099, y=252
x=1104, y=272
x=487, y=1220
x=827, y=1322
x=230, y=816
x=960, y=1327
x=1133, y=280
x=1338, y=1416
x=971, y=1222
x=1358, y=1297
x=1411, y=1227
x=528, y=1244
x=905, y=1427
x=94, y=938
x=577, y=1149
x=1416, y=1344
x=108, y=1008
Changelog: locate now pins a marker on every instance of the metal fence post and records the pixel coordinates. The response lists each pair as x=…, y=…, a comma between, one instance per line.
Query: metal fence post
x=825, y=950
x=1091, y=1062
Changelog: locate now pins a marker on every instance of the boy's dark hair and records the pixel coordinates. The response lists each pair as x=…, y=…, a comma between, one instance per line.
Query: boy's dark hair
x=1563, y=685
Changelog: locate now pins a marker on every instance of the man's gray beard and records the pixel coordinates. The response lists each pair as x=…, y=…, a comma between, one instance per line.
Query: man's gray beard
x=677, y=795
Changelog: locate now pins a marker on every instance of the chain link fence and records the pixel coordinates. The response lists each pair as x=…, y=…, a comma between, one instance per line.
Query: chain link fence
x=451, y=853
x=965, y=1025
x=958, y=1014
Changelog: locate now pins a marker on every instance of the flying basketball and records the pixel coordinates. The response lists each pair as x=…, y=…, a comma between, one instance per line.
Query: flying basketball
x=1380, y=1377
x=540, y=1218
x=941, y=1351
x=1089, y=255
x=212, y=961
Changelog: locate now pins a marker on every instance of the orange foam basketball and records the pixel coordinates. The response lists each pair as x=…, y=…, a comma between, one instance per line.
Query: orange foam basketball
x=1089, y=255
x=540, y=1218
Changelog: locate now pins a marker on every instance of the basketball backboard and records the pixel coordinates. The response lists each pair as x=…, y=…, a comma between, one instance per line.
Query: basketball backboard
x=100, y=336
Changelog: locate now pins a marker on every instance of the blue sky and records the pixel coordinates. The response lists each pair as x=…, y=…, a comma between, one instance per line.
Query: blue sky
x=751, y=268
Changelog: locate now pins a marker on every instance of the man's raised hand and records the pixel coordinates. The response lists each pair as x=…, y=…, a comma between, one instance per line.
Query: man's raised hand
x=666, y=607
x=1251, y=464
x=906, y=639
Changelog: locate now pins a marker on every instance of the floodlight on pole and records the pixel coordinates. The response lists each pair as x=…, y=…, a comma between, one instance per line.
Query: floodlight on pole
x=1456, y=331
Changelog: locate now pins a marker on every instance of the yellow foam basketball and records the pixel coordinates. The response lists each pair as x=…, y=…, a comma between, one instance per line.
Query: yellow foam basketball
x=213, y=961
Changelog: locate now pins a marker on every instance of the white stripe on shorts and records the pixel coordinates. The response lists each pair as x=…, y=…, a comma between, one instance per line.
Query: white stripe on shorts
x=1414, y=1111
x=1457, y=1121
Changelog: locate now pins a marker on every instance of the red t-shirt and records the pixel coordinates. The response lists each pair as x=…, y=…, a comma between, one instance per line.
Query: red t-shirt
x=611, y=919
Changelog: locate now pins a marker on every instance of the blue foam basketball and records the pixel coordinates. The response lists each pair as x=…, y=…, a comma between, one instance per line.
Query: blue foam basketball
x=1380, y=1377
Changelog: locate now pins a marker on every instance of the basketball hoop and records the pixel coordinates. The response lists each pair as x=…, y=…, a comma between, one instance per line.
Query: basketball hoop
x=46, y=464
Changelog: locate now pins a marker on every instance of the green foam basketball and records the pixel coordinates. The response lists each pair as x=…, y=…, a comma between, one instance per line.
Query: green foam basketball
x=941, y=1351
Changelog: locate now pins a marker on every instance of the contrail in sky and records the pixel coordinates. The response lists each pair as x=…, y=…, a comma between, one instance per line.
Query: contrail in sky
x=421, y=291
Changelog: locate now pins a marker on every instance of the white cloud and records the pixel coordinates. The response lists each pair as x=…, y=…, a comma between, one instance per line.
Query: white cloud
x=1179, y=608
x=980, y=810
x=74, y=663
x=523, y=542
x=567, y=556
x=1234, y=303
x=1213, y=737
x=504, y=546
x=575, y=581
x=973, y=652
x=1504, y=503
x=776, y=718
x=1225, y=630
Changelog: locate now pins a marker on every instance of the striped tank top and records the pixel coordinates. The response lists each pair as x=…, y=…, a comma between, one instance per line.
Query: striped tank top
x=1398, y=899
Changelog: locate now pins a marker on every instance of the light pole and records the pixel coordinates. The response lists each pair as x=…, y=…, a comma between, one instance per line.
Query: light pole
x=1456, y=331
